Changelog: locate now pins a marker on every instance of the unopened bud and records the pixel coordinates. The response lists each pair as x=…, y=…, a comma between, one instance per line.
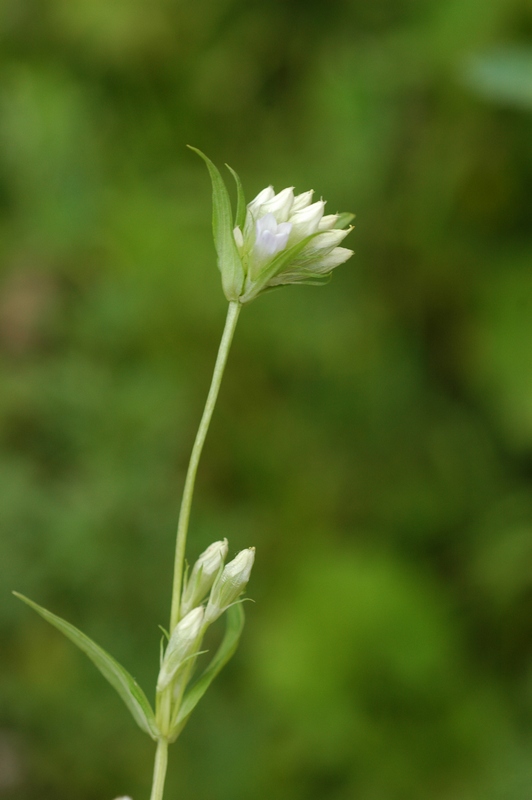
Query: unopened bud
x=202, y=576
x=230, y=584
x=183, y=644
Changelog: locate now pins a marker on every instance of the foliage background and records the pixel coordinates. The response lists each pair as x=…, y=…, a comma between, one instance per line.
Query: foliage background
x=373, y=439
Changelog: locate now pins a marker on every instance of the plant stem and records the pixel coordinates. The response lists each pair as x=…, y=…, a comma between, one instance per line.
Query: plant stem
x=184, y=514
x=159, y=770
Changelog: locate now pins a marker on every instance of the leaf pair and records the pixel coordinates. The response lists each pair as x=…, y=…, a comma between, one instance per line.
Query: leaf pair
x=127, y=687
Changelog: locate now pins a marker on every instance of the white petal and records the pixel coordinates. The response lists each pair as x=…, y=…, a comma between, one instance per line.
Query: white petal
x=325, y=242
x=280, y=205
x=302, y=200
x=306, y=221
x=261, y=198
x=331, y=260
x=328, y=222
x=270, y=237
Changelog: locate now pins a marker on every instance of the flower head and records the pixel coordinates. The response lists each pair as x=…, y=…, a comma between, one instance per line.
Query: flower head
x=184, y=643
x=202, y=575
x=229, y=584
x=278, y=239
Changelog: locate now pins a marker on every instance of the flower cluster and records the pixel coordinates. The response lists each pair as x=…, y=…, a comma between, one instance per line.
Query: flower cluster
x=278, y=238
x=281, y=223
x=209, y=580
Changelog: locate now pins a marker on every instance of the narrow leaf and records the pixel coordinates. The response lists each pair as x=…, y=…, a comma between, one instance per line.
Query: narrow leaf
x=229, y=262
x=118, y=677
x=344, y=219
x=233, y=631
x=240, y=218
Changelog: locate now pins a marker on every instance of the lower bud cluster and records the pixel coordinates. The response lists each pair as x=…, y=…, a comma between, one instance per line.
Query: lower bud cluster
x=220, y=586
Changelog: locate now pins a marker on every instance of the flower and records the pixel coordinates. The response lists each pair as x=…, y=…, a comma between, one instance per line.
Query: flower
x=277, y=225
x=229, y=584
x=202, y=575
x=278, y=238
x=183, y=644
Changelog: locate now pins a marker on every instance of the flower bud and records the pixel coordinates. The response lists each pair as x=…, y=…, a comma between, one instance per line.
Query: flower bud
x=306, y=221
x=229, y=584
x=328, y=221
x=202, y=576
x=239, y=239
x=280, y=205
x=262, y=197
x=184, y=642
x=302, y=200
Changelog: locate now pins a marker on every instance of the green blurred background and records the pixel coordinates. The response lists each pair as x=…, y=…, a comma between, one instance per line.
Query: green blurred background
x=373, y=439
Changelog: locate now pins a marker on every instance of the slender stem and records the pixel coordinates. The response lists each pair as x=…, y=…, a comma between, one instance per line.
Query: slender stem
x=159, y=770
x=184, y=514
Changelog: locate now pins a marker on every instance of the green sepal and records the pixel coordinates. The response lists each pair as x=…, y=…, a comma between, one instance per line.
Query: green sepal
x=276, y=266
x=344, y=219
x=166, y=634
x=229, y=262
x=233, y=630
x=118, y=677
x=307, y=278
x=240, y=218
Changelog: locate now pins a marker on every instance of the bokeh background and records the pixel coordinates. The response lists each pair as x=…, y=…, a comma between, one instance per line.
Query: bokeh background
x=373, y=439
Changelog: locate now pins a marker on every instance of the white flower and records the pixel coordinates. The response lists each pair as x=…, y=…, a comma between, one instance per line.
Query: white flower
x=230, y=584
x=202, y=575
x=261, y=198
x=277, y=239
x=280, y=223
x=270, y=237
x=279, y=205
x=306, y=220
x=302, y=200
x=184, y=643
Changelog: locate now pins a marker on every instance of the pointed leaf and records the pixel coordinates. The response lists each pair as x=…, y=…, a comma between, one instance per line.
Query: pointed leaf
x=233, y=631
x=344, y=219
x=118, y=677
x=229, y=262
x=240, y=218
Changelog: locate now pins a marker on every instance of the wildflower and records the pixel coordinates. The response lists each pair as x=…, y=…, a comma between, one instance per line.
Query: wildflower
x=202, y=575
x=229, y=584
x=278, y=239
x=183, y=644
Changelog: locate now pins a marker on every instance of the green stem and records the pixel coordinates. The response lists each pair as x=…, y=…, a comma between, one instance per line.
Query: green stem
x=184, y=514
x=159, y=770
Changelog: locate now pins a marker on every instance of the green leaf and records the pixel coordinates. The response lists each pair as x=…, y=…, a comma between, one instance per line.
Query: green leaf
x=118, y=677
x=229, y=261
x=344, y=219
x=233, y=631
x=240, y=219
